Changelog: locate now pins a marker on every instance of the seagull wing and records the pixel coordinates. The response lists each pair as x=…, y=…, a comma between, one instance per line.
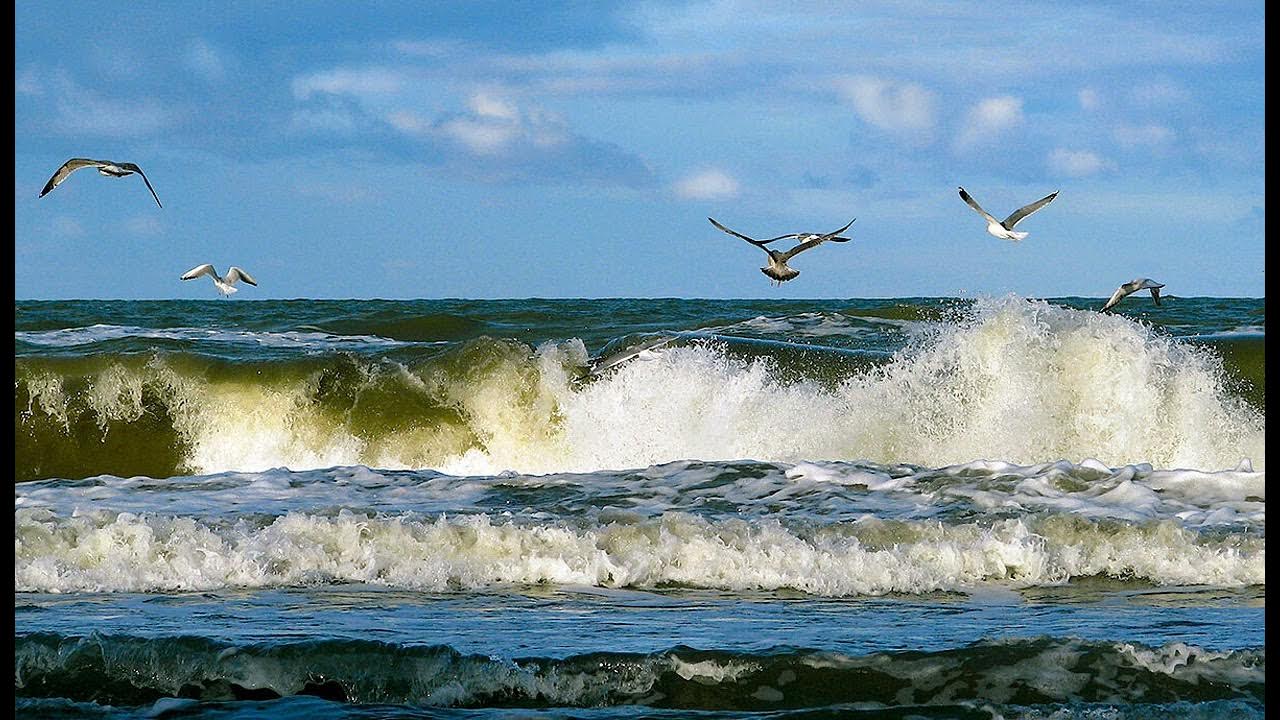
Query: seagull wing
x=801, y=248
x=1155, y=294
x=1120, y=294
x=67, y=168
x=1024, y=211
x=195, y=272
x=974, y=204
x=834, y=236
x=236, y=273
x=135, y=168
x=757, y=243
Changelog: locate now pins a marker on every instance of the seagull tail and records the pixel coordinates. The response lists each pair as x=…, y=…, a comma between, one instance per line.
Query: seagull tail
x=1017, y=236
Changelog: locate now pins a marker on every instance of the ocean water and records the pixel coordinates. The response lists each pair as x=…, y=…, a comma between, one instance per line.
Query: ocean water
x=992, y=508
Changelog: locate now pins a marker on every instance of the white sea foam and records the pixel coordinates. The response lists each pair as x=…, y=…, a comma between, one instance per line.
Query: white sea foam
x=829, y=490
x=1021, y=382
x=105, y=551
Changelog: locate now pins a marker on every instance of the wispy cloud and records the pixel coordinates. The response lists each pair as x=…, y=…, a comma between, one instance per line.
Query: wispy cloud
x=63, y=226
x=206, y=61
x=709, y=184
x=1076, y=163
x=1090, y=99
x=76, y=109
x=1131, y=136
x=342, y=81
x=898, y=107
x=1161, y=92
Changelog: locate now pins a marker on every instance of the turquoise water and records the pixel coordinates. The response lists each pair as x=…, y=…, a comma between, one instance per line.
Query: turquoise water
x=886, y=508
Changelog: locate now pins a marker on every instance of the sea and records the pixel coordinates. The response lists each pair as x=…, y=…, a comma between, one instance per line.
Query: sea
x=982, y=507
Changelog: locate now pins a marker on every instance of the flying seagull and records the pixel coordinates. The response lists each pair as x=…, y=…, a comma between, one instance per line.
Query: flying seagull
x=105, y=167
x=777, y=268
x=1130, y=288
x=1004, y=230
x=225, y=285
x=650, y=349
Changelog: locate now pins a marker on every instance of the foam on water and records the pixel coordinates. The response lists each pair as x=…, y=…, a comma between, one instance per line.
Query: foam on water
x=1234, y=499
x=104, y=551
x=1016, y=381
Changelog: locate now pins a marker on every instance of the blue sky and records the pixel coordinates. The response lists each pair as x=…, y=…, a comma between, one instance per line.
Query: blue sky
x=497, y=149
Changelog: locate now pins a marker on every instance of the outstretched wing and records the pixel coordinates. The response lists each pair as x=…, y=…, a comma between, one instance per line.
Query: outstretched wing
x=65, y=171
x=1116, y=297
x=753, y=241
x=801, y=248
x=834, y=236
x=199, y=270
x=135, y=168
x=978, y=208
x=236, y=273
x=1024, y=211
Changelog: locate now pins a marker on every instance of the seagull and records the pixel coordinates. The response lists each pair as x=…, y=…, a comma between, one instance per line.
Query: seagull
x=105, y=167
x=1004, y=230
x=225, y=285
x=650, y=349
x=777, y=268
x=1130, y=288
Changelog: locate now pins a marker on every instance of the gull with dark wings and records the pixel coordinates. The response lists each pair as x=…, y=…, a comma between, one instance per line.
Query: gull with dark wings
x=1132, y=287
x=1004, y=229
x=226, y=284
x=777, y=269
x=105, y=167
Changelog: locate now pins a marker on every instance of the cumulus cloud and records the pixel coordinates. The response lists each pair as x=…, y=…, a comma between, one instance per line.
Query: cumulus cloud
x=710, y=184
x=989, y=119
x=497, y=138
x=1076, y=163
x=894, y=106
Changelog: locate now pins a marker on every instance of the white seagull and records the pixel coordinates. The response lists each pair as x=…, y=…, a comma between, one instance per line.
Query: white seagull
x=777, y=269
x=1004, y=230
x=1132, y=287
x=105, y=167
x=225, y=285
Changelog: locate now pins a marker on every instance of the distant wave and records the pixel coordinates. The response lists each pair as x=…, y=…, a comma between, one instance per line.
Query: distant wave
x=108, y=551
x=1010, y=380
x=128, y=670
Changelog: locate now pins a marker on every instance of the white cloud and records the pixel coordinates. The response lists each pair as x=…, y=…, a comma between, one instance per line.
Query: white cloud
x=481, y=136
x=206, y=61
x=988, y=119
x=1089, y=99
x=893, y=106
x=373, y=81
x=488, y=105
x=707, y=185
x=1143, y=135
x=1076, y=163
